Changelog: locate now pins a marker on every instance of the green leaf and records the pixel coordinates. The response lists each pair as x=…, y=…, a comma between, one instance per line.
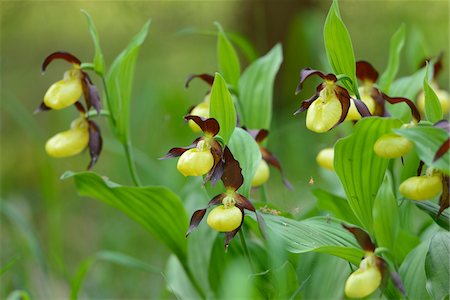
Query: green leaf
x=338, y=206
x=246, y=151
x=432, y=209
x=427, y=140
x=360, y=170
x=158, y=209
x=177, y=281
x=99, y=61
x=119, y=81
x=433, y=109
x=397, y=43
x=412, y=272
x=338, y=46
x=244, y=45
x=256, y=89
x=227, y=58
x=107, y=256
x=222, y=108
x=437, y=265
x=315, y=235
x=386, y=216
x=18, y=295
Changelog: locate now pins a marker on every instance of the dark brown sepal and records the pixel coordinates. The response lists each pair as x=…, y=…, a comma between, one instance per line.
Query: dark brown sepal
x=414, y=111
x=380, y=107
x=177, y=151
x=244, y=203
x=344, y=97
x=232, y=176
x=42, y=107
x=258, y=135
x=307, y=103
x=60, y=55
x=442, y=150
x=230, y=235
x=444, y=200
x=208, y=126
x=95, y=143
x=366, y=72
x=272, y=160
x=307, y=72
x=196, y=218
x=208, y=78
x=91, y=94
x=361, y=237
x=79, y=107
x=217, y=170
x=419, y=168
x=361, y=108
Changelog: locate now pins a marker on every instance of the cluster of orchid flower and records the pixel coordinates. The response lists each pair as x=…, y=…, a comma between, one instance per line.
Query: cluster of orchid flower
x=207, y=157
x=332, y=104
x=84, y=132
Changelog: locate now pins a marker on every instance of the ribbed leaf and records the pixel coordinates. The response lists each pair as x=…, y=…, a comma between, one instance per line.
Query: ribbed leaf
x=437, y=265
x=158, y=209
x=386, y=216
x=119, y=82
x=315, y=235
x=256, y=89
x=246, y=151
x=427, y=140
x=412, y=272
x=397, y=42
x=360, y=170
x=433, y=109
x=338, y=46
x=222, y=108
x=99, y=61
x=432, y=209
x=227, y=58
x=336, y=205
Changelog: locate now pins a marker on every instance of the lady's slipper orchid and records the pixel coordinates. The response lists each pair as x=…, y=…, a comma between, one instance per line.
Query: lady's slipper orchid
x=204, y=155
x=372, y=269
x=325, y=158
x=392, y=145
x=268, y=158
x=329, y=106
x=229, y=216
x=201, y=109
x=68, y=90
x=422, y=187
x=83, y=133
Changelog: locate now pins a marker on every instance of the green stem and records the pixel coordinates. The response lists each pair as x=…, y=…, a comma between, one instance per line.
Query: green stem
x=193, y=280
x=263, y=193
x=246, y=252
x=130, y=160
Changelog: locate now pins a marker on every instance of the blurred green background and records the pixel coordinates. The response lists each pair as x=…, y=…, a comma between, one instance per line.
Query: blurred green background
x=47, y=230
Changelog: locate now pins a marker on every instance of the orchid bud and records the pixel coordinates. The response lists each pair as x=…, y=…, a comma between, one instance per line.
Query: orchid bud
x=325, y=112
x=325, y=158
x=262, y=174
x=65, y=92
x=225, y=219
x=365, y=280
x=392, y=145
x=70, y=142
x=201, y=110
x=197, y=161
x=421, y=187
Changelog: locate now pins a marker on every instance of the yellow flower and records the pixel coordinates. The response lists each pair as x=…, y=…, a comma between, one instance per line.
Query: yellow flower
x=421, y=187
x=262, y=174
x=196, y=161
x=392, y=145
x=225, y=219
x=70, y=142
x=365, y=280
x=65, y=92
x=325, y=112
x=368, y=100
x=201, y=110
x=325, y=158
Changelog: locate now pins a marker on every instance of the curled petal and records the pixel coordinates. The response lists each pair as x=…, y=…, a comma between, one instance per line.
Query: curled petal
x=259, y=135
x=42, y=107
x=208, y=78
x=91, y=94
x=79, y=107
x=177, y=151
x=307, y=72
x=307, y=103
x=442, y=150
x=198, y=215
x=361, y=237
x=208, y=126
x=217, y=171
x=60, y=55
x=344, y=97
x=272, y=160
x=244, y=203
x=415, y=113
x=366, y=72
x=95, y=143
x=232, y=176
x=362, y=108
x=444, y=200
x=230, y=235
x=419, y=168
